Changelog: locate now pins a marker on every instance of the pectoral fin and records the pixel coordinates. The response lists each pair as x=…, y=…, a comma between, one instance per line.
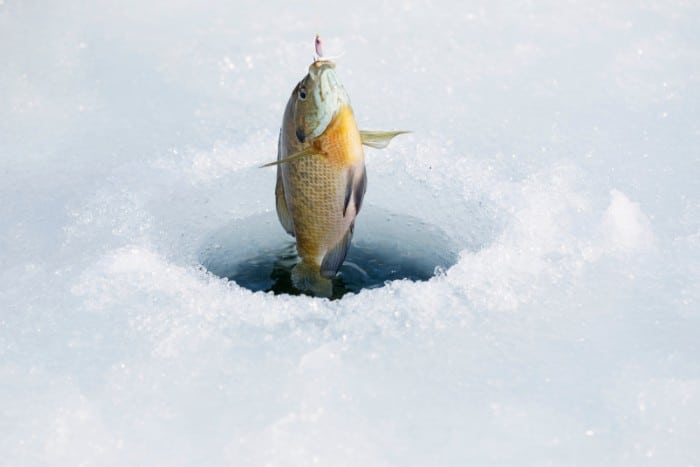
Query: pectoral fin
x=297, y=155
x=379, y=139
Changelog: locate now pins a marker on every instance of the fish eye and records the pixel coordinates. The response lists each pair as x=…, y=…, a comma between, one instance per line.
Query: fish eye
x=302, y=93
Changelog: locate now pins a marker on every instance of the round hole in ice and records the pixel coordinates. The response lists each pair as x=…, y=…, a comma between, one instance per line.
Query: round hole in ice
x=257, y=254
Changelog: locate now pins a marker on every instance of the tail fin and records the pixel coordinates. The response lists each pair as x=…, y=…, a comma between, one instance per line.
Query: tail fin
x=307, y=277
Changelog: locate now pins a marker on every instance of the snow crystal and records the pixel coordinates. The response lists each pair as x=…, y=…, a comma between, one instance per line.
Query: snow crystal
x=553, y=147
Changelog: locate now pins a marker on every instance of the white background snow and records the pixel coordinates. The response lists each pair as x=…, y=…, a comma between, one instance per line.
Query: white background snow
x=556, y=142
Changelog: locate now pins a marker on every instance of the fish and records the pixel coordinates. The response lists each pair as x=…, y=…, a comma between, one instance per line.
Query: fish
x=321, y=176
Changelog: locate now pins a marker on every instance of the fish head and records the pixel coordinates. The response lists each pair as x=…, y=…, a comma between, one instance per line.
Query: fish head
x=316, y=100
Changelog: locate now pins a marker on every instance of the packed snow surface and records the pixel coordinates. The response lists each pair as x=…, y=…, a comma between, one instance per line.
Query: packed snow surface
x=555, y=143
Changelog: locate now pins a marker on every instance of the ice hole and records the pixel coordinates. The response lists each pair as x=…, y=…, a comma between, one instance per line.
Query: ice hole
x=257, y=254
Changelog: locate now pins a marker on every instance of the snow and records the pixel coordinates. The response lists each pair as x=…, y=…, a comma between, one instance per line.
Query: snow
x=555, y=144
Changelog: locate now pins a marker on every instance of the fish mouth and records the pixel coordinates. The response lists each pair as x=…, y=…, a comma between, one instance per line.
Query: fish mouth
x=323, y=73
x=322, y=63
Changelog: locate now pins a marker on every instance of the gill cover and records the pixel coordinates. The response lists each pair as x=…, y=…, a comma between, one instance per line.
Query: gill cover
x=318, y=97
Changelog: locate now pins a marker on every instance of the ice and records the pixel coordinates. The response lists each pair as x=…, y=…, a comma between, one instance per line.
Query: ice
x=386, y=247
x=626, y=227
x=554, y=144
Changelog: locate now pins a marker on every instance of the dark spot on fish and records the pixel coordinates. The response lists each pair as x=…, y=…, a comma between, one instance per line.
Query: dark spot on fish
x=360, y=191
x=348, y=190
x=300, y=135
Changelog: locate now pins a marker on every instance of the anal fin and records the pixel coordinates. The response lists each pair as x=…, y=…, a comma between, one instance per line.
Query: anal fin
x=281, y=204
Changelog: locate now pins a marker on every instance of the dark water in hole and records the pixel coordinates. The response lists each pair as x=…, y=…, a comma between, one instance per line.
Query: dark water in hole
x=257, y=254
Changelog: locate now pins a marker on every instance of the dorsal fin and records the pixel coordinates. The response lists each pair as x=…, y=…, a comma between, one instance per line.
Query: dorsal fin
x=359, y=192
x=335, y=256
x=348, y=190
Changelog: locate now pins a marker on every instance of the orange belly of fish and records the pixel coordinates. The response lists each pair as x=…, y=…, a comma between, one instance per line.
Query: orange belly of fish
x=341, y=142
x=318, y=188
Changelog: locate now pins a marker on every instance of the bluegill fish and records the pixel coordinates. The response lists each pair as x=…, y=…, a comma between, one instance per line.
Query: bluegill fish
x=321, y=178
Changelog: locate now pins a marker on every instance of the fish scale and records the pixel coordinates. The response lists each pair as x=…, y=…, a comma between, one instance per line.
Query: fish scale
x=315, y=188
x=321, y=177
x=316, y=207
